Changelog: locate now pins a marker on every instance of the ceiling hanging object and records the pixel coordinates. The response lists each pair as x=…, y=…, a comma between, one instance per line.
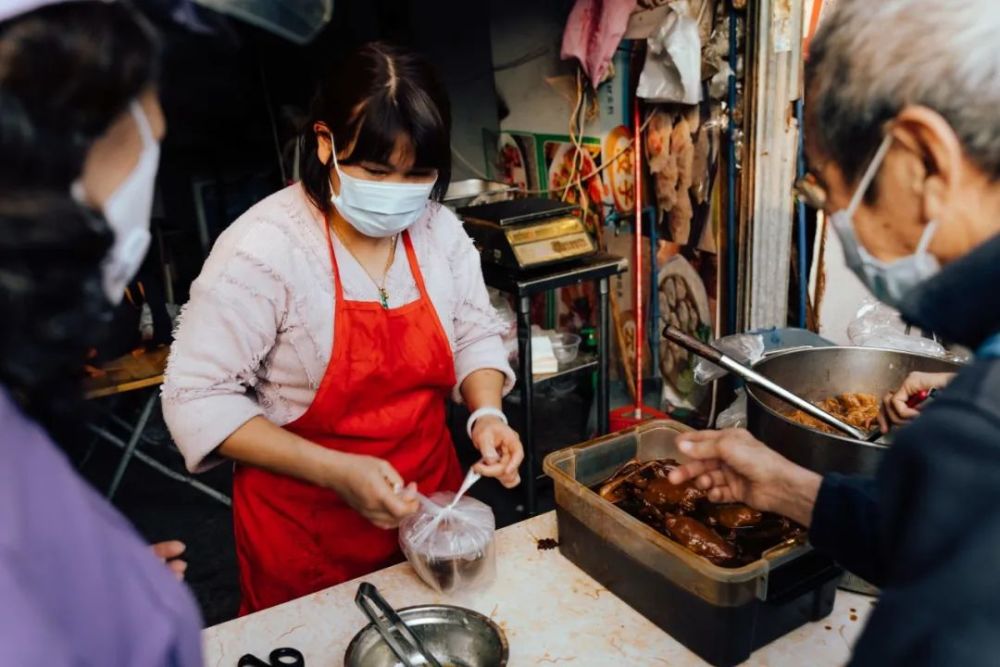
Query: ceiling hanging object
x=296, y=20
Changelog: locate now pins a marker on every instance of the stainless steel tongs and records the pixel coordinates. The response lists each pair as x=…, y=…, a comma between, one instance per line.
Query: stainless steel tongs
x=392, y=629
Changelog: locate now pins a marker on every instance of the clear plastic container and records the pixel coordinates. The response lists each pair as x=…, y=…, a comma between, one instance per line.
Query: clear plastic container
x=565, y=346
x=722, y=614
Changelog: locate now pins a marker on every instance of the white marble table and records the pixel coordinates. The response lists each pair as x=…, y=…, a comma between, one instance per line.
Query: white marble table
x=551, y=611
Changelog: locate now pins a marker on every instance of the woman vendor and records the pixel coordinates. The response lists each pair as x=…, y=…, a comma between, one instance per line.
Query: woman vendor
x=903, y=137
x=327, y=328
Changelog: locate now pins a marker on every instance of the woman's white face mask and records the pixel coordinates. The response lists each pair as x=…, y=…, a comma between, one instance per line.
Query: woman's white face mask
x=889, y=282
x=128, y=212
x=375, y=208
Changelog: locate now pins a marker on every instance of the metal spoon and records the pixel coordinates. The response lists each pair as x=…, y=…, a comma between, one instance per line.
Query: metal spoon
x=471, y=478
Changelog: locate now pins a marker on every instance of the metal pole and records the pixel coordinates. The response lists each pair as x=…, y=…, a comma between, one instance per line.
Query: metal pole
x=731, y=241
x=603, y=349
x=640, y=329
x=653, y=330
x=803, y=250
x=527, y=396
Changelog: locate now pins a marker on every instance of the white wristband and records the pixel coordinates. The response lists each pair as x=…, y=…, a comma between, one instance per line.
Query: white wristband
x=482, y=412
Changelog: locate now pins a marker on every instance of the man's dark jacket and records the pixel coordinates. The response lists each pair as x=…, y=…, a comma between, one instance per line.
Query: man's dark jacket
x=927, y=527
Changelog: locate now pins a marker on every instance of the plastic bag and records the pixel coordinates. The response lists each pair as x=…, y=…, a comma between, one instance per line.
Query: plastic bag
x=878, y=325
x=735, y=416
x=672, y=71
x=451, y=549
x=744, y=348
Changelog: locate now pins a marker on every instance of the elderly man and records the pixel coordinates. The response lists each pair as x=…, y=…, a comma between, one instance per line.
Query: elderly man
x=903, y=137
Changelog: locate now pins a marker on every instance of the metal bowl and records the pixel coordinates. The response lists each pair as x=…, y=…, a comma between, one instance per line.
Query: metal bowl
x=457, y=637
x=818, y=373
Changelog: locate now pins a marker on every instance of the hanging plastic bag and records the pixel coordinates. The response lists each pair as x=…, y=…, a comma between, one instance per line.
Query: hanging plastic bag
x=672, y=71
x=745, y=348
x=735, y=416
x=878, y=325
x=451, y=548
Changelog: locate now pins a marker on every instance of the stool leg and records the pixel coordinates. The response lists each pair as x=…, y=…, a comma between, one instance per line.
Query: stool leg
x=133, y=441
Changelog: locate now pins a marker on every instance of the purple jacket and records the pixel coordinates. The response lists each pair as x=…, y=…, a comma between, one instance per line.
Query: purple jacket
x=78, y=586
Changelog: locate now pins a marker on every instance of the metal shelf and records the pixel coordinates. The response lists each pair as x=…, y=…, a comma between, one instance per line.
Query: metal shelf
x=582, y=362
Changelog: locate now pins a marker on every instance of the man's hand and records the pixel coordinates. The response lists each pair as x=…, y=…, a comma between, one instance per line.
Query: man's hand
x=733, y=466
x=895, y=411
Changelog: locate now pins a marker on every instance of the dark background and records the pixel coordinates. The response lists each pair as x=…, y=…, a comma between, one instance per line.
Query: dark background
x=234, y=96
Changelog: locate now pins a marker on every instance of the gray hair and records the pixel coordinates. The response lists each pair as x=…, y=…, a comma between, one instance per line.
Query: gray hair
x=871, y=58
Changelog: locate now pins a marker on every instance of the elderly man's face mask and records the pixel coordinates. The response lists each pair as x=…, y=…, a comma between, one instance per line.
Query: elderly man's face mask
x=889, y=281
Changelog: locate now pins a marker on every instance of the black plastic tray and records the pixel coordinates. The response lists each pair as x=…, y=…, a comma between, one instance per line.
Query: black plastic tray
x=799, y=591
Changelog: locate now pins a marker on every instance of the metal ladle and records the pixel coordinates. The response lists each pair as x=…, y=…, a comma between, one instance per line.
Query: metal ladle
x=718, y=358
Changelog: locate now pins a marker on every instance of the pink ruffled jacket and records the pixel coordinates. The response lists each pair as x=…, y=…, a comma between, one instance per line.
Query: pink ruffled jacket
x=256, y=336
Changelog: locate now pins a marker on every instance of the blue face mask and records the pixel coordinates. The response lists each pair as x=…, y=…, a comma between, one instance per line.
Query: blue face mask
x=375, y=208
x=888, y=281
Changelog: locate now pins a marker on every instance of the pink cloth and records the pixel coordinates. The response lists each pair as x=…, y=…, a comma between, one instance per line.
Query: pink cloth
x=256, y=336
x=593, y=31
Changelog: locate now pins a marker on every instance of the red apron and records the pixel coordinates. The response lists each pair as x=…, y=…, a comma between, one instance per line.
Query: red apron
x=383, y=395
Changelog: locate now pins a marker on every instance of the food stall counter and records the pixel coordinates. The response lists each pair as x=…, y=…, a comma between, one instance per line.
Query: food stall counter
x=551, y=612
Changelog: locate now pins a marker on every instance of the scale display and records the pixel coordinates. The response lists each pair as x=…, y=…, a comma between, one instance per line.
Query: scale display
x=523, y=234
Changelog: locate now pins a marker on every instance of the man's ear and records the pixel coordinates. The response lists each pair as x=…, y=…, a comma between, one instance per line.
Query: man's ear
x=932, y=140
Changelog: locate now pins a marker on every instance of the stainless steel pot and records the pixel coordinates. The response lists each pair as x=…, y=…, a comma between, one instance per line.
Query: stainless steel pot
x=457, y=637
x=818, y=373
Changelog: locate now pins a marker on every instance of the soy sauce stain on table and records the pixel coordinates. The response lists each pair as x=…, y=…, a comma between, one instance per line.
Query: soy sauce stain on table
x=547, y=543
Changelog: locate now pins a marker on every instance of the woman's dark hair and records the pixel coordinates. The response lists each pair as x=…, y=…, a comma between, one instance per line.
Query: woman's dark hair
x=67, y=72
x=380, y=93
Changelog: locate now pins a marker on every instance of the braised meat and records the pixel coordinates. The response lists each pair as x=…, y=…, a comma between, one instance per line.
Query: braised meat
x=733, y=515
x=695, y=536
x=660, y=492
x=730, y=535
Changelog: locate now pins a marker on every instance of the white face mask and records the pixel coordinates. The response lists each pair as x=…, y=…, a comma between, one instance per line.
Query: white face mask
x=127, y=212
x=378, y=209
x=889, y=282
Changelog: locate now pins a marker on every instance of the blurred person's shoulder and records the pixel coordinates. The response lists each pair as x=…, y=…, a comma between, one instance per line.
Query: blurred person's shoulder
x=92, y=583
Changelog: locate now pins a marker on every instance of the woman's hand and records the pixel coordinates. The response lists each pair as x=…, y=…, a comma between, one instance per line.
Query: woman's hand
x=733, y=466
x=895, y=411
x=501, y=449
x=170, y=552
x=372, y=487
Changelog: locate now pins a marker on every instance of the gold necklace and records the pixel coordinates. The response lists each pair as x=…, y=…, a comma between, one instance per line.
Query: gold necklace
x=383, y=294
